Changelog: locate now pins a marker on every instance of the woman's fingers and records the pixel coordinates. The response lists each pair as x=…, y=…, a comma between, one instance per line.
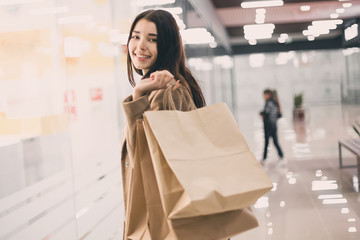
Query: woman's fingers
x=155, y=82
x=161, y=74
x=177, y=85
x=161, y=79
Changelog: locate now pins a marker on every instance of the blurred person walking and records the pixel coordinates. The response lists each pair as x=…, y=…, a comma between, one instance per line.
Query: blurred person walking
x=270, y=115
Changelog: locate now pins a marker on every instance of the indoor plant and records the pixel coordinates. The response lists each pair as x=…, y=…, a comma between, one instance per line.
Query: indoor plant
x=299, y=113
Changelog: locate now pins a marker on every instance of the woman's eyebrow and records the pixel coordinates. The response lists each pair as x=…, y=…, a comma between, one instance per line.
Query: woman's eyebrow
x=150, y=34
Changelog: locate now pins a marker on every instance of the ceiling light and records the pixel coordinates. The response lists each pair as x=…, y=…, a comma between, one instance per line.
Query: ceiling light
x=282, y=39
x=340, y=10
x=196, y=36
x=351, y=32
x=284, y=35
x=179, y=22
x=311, y=38
x=322, y=27
x=173, y=10
x=337, y=22
x=260, y=20
x=143, y=3
x=213, y=45
x=252, y=42
x=260, y=11
x=334, y=15
x=305, y=8
x=306, y=32
x=316, y=31
x=347, y=5
x=259, y=31
x=327, y=22
x=260, y=16
x=256, y=4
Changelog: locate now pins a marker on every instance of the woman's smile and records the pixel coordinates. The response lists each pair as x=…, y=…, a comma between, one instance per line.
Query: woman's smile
x=143, y=45
x=142, y=57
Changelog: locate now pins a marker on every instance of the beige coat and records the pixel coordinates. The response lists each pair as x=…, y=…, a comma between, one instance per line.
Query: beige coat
x=136, y=223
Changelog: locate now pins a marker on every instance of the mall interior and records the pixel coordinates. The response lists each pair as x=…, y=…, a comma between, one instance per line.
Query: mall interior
x=63, y=77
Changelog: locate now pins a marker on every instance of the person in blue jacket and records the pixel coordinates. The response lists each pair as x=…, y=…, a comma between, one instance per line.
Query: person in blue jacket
x=270, y=115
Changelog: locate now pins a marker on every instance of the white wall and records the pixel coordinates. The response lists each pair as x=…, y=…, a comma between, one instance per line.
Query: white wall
x=60, y=121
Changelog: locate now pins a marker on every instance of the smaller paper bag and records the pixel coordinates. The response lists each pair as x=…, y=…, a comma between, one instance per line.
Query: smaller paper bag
x=202, y=162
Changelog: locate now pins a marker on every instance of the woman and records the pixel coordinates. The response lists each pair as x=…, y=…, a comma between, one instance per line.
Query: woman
x=155, y=51
x=270, y=114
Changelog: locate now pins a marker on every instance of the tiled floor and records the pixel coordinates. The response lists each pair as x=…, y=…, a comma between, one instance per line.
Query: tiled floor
x=312, y=198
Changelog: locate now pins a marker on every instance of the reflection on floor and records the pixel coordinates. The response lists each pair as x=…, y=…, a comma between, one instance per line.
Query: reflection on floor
x=312, y=198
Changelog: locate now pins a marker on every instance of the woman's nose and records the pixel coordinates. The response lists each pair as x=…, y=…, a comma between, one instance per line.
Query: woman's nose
x=141, y=44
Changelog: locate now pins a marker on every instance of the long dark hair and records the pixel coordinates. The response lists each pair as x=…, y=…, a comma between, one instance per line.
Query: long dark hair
x=171, y=54
x=276, y=99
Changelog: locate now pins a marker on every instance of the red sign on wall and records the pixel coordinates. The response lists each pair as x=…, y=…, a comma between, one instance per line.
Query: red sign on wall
x=70, y=104
x=96, y=94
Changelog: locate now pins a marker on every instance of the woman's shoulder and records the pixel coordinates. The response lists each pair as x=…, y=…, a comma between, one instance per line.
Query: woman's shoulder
x=172, y=98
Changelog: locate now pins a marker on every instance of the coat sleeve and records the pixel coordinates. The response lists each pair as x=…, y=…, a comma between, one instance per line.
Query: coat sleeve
x=164, y=99
x=266, y=111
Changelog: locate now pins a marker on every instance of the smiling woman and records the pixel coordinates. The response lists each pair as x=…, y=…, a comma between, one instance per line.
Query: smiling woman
x=156, y=52
x=142, y=45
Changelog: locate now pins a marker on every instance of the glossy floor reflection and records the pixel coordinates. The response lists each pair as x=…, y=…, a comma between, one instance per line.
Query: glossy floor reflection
x=312, y=198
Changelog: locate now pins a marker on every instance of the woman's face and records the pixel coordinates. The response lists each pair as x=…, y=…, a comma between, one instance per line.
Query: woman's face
x=266, y=96
x=143, y=46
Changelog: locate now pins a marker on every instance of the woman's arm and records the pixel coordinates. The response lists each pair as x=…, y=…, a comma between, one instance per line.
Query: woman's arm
x=173, y=97
x=158, y=80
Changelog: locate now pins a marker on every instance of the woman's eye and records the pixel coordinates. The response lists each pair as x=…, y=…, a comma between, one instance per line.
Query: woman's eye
x=135, y=37
x=153, y=40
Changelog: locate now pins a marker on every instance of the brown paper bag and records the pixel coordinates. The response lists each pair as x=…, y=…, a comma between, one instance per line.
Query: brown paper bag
x=136, y=226
x=157, y=221
x=202, y=163
x=209, y=227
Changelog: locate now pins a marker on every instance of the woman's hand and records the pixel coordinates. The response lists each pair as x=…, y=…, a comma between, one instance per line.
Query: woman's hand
x=158, y=80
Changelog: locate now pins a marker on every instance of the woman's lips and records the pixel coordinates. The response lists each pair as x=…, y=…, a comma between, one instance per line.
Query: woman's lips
x=142, y=57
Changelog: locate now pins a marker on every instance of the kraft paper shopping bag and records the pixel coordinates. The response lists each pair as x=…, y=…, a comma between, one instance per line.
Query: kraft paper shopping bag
x=202, y=162
x=209, y=227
